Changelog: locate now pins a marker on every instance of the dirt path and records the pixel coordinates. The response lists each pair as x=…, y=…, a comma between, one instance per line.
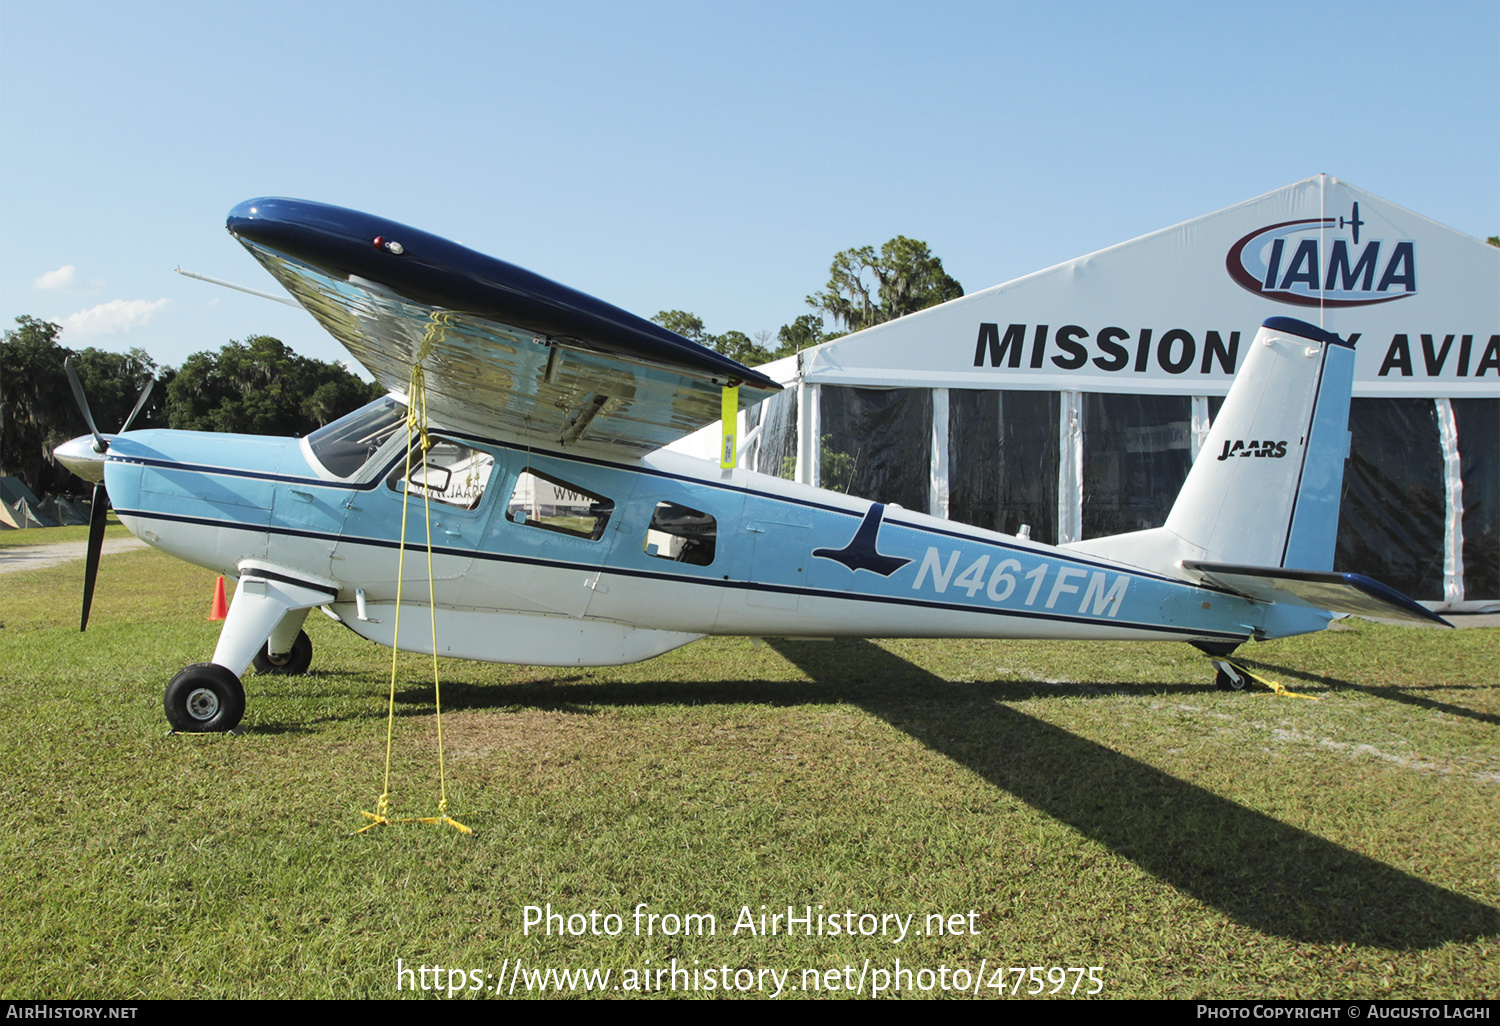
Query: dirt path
x=36, y=557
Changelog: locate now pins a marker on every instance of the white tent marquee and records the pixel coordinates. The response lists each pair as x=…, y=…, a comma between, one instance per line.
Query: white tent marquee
x=1072, y=400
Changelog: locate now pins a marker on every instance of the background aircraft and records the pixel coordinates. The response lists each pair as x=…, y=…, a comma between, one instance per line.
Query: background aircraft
x=530, y=419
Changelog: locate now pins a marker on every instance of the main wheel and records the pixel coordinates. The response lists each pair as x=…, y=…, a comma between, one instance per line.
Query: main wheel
x=205, y=698
x=289, y=664
x=1230, y=678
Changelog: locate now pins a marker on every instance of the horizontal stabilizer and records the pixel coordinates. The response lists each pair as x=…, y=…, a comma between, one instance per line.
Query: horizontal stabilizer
x=1315, y=589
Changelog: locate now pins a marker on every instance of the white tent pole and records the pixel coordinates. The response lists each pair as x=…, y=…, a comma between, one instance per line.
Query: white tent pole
x=937, y=486
x=1070, y=468
x=1201, y=423
x=808, y=428
x=1453, y=504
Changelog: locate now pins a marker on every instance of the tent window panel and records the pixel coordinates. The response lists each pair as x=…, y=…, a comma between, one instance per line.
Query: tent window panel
x=1478, y=432
x=1391, y=516
x=1002, y=454
x=877, y=443
x=776, y=452
x=1137, y=450
x=682, y=534
x=749, y=454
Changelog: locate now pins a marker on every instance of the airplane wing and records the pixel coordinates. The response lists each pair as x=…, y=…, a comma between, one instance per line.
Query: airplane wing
x=1315, y=589
x=505, y=352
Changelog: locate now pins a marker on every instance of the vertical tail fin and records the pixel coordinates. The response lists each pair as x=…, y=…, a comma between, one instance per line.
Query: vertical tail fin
x=1265, y=489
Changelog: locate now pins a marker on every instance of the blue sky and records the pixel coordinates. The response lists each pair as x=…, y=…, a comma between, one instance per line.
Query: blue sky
x=702, y=156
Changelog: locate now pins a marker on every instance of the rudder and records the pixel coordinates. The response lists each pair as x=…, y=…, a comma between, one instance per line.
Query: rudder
x=1265, y=488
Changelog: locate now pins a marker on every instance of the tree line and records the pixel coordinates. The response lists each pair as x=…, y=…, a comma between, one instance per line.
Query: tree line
x=259, y=386
x=865, y=287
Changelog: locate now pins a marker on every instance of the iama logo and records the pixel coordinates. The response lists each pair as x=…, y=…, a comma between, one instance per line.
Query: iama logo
x=1287, y=262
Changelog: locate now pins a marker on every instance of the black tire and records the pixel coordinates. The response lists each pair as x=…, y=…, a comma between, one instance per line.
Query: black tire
x=292, y=664
x=205, y=698
x=1230, y=679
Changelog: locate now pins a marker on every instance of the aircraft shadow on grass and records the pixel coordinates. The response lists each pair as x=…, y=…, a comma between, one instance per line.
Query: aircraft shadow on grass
x=1260, y=872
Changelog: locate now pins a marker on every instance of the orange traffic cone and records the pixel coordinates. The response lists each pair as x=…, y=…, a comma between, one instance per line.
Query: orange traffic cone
x=220, y=608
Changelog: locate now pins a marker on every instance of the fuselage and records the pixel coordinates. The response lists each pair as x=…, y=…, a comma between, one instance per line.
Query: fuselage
x=535, y=553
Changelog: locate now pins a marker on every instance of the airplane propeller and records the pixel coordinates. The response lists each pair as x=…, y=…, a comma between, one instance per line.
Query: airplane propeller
x=85, y=457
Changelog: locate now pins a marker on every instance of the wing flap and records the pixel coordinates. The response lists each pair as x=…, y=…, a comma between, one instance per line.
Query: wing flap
x=1315, y=589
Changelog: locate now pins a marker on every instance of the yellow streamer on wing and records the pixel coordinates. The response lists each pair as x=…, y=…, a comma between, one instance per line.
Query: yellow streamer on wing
x=729, y=408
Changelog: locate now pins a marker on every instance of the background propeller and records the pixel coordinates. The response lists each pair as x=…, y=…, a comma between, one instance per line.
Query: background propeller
x=99, y=508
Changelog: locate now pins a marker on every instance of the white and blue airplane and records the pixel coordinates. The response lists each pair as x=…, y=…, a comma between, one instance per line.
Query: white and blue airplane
x=564, y=533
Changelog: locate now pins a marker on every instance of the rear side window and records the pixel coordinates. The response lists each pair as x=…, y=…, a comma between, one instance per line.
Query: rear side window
x=682, y=534
x=552, y=504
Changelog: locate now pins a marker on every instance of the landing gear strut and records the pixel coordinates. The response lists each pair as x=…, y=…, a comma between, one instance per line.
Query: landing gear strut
x=1229, y=677
x=266, y=617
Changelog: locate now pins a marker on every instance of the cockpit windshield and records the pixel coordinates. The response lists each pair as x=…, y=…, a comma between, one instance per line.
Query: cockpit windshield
x=345, y=445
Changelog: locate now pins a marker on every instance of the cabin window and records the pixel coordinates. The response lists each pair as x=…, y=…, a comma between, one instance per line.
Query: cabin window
x=541, y=500
x=681, y=534
x=348, y=443
x=450, y=473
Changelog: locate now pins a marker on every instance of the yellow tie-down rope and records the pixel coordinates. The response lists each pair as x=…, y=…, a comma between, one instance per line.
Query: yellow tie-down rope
x=1271, y=685
x=416, y=425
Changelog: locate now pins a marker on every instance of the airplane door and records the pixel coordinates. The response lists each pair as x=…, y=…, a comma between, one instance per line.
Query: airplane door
x=782, y=539
x=546, y=552
x=452, y=482
x=307, y=517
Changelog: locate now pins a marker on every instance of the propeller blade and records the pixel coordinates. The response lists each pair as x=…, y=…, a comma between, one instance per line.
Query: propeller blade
x=97, y=516
x=83, y=404
x=139, y=404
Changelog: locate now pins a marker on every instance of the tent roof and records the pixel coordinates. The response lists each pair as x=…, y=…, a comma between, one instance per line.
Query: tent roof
x=1170, y=312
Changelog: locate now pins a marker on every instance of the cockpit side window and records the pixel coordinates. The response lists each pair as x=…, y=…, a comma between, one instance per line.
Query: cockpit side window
x=450, y=473
x=555, y=505
x=682, y=534
x=345, y=445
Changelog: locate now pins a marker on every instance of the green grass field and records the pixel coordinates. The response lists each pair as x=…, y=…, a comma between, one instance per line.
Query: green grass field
x=1069, y=806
